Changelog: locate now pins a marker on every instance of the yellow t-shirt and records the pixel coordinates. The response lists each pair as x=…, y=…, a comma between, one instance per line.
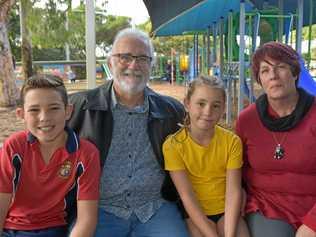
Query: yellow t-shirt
x=206, y=166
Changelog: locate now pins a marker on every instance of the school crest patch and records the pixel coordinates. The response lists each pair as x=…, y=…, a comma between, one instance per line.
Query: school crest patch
x=65, y=169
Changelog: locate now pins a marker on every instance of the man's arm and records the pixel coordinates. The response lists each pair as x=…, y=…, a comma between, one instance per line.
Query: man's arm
x=87, y=215
x=5, y=200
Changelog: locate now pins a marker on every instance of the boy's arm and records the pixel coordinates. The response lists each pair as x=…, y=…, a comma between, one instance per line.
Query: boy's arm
x=87, y=212
x=5, y=200
x=233, y=198
x=191, y=204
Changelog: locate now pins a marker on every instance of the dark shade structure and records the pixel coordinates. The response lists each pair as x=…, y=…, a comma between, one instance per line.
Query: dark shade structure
x=178, y=16
x=162, y=11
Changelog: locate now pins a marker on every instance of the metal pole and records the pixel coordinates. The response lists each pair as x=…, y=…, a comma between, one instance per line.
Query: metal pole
x=299, y=26
x=221, y=47
x=241, y=56
x=280, y=20
x=172, y=66
x=289, y=36
x=90, y=44
x=196, y=55
x=214, y=44
x=228, y=76
x=310, y=32
x=204, y=56
x=208, y=49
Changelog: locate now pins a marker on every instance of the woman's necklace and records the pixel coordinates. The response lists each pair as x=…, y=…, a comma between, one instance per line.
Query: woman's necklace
x=279, y=150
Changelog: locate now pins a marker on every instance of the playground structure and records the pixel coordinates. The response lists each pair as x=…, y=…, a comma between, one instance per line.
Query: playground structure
x=232, y=32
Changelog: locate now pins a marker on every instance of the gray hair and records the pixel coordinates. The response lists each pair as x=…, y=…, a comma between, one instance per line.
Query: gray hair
x=138, y=34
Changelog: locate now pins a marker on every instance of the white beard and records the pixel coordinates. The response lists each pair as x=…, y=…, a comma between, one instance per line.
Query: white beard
x=132, y=88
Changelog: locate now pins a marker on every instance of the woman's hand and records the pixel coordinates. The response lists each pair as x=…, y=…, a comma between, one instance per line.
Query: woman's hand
x=305, y=231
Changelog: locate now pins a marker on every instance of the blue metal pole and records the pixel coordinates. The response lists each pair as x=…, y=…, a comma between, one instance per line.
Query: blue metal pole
x=299, y=27
x=241, y=56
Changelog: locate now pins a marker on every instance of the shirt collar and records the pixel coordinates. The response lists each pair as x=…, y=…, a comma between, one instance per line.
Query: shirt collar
x=72, y=143
x=143, y=108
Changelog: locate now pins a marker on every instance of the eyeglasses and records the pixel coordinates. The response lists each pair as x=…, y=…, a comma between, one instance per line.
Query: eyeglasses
x=127, y=58
x=277, y=68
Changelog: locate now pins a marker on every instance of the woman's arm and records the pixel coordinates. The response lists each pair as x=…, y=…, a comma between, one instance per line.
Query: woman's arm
x=233, y=198
x=305, y=231
x=87, y=214
x=192, y=207
x=5, y=200
x=308, y=228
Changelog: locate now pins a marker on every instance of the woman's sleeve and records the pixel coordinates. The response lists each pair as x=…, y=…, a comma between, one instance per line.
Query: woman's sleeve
x=310, y=218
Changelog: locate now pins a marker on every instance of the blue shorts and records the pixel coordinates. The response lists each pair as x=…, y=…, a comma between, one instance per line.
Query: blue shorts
x=48, y=232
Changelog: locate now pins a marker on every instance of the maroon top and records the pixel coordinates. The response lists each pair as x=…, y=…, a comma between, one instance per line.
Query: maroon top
x=286, y=188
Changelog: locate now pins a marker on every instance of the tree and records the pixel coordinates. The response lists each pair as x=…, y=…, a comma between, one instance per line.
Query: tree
x=106, y=32
x=13, y=27
x=164, y=45
x=8, y=89
x=50, y=34
x=26, y=49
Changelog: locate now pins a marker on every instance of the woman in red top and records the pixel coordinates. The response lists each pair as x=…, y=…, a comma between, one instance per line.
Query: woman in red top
x=279, y=138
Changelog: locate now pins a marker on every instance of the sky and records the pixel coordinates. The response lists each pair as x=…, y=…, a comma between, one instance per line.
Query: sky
x=131, y=8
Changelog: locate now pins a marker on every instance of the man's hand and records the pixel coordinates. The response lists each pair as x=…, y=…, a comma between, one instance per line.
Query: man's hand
x=305, y=231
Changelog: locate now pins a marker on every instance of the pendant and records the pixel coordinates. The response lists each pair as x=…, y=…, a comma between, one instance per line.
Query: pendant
x=279, y=152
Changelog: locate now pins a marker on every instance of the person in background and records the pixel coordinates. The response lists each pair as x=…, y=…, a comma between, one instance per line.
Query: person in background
x=279, y=139
x=71, y=75
x=44, y=169
x=204, y=161
x=129, y=122
x=169, y=71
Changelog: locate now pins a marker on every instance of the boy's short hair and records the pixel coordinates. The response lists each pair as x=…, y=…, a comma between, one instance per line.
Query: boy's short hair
x=44, y=81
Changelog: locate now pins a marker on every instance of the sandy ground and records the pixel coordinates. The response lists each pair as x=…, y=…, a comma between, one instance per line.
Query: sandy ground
x=9, y=123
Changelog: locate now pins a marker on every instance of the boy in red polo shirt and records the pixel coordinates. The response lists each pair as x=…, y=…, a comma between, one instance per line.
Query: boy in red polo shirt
x=46, y=168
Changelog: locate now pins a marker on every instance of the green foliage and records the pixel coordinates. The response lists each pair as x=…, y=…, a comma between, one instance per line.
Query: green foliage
x=163, y=45
x=14, y=32
x=47, y=54
x=47, y=26
x=106, y=32
x=49, y=32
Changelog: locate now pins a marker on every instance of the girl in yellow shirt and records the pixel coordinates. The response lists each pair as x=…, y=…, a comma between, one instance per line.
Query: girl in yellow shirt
x=205, y=163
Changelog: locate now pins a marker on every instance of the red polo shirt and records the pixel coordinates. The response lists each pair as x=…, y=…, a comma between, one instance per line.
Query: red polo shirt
x=40, y=190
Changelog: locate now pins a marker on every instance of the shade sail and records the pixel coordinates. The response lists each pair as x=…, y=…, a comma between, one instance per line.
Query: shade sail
x=200, y=17
x=178, y=16
x=162, y=11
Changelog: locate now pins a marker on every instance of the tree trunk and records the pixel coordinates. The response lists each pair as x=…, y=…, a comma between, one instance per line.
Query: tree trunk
x=26, y=51
x=8, y=88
